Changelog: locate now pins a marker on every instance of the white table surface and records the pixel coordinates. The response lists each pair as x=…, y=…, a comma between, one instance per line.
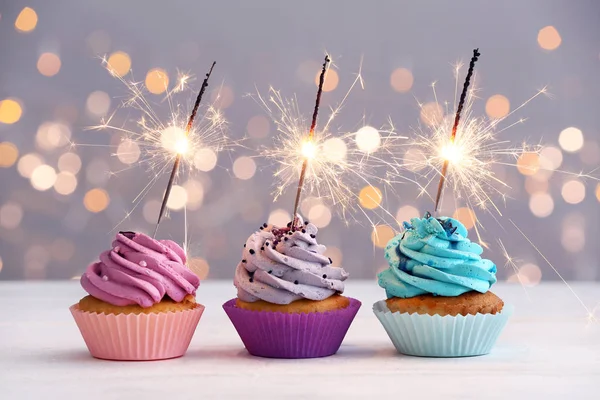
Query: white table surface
x=548, y=351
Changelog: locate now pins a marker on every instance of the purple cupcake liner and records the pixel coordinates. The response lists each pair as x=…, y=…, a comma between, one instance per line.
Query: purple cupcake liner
x=279, y=335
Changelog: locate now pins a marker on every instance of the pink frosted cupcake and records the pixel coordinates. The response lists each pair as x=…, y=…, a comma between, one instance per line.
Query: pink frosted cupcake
x=141, y=303
x=289, y=302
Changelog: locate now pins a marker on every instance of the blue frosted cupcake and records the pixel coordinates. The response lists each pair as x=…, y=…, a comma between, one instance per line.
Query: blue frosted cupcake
x=438, y=300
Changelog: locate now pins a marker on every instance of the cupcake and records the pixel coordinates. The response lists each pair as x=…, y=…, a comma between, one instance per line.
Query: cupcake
x=141, y=303
x=437, y=286
x=289, y=302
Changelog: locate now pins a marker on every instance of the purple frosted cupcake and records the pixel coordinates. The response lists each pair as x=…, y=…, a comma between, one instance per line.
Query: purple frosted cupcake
x=289, y=302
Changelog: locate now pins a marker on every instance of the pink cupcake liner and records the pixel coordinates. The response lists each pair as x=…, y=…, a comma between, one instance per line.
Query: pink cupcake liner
x=279, y=335
x=141, y=337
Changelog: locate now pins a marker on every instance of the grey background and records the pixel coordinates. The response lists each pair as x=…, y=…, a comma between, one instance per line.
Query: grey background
x=259, y=43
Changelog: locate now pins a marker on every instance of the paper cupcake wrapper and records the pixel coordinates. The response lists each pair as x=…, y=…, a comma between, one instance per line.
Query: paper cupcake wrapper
x=437, y=336
x=279, y=335
x=140, y=337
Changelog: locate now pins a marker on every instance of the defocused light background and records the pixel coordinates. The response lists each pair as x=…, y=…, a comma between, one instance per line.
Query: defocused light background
x=58, y=204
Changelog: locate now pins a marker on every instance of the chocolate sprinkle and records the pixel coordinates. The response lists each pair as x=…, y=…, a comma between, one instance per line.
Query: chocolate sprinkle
x=312, y=235
x=252, y=251
x=303, y=230
x=295, y=282
x=285, y=239
x=330, y=261
x=324, y=276
x=244, y=244
x=251, y=280
x=306, y=222
x=244, y=261
x=262, y=248
x=265, y=225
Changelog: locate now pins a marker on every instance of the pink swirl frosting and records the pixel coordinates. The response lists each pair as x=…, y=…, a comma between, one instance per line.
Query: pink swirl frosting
x=140, y=270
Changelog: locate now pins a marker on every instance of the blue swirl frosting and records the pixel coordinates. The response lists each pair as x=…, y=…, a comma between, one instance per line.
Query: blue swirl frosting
x=434, y=256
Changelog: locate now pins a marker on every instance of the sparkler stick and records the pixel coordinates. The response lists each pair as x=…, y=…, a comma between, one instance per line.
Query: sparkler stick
x=461, y=103
x=311, y=135
x=188, y=128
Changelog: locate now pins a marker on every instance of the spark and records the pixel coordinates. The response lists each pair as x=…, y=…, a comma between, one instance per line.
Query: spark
x=336, y=168
x=162, y=141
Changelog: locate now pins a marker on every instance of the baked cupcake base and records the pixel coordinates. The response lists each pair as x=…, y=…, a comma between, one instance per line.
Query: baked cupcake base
x=137, y=337
x=442, y=336
x=470, y=303
x=335, y=302
x=92, y=304
x=292, y=335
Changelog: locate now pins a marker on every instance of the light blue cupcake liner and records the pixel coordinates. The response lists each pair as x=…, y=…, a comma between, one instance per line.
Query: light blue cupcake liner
x=436, y=336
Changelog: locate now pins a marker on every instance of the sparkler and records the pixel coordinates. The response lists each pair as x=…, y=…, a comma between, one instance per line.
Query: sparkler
x=308, y=146
x=461, y=104
x=325, y=162
x=183, y=148
x=466, y=160
x=160, y=143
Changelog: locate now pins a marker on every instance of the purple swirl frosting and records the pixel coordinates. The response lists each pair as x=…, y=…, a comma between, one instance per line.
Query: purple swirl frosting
x=140, y=270
x=281, y=265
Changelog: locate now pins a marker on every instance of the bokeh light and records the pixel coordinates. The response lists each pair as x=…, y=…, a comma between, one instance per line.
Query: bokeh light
x=598, y=192
x=370, y=197
x=9, y=153
x=119, y=63
x=414, y=159
x=571, y=139
x=331, y=80
x=43, y=177
x=573, y=191
x=432, y=114
x=222, y=97
x=157, y=81
x=548, y=38
x=551, y=158
x=529, y=275
x=66, y=183
x=244, y=168
x=497, y=106
x=335, y=254
x=48, y=64
x=572, y=238
x=335, y=149
x=96, y=200
x=205, y=159
x=128, y=152
x=541, y=204
x=590, y=153
x=151, y=210
x=401, y=80
x=177, y=198
x=368, y=139
x=26, y=20
x=62, y=249
x=199, y=266
x=533, y=185
x=279, y=217
x=195, y=194
x=405, y=213
x=11, y=214
x=51, y=135
x=10, y=111
x=258, y=127
x=320, y=215
x=381, y=235
x=528, y=163
x=69, y=162
x=28, y=163
x=466, y=216
x=98, y=103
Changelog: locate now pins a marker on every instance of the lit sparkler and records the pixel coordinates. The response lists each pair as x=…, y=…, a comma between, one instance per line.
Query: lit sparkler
x=462, y=149
x=178, y=141
x=322, y=162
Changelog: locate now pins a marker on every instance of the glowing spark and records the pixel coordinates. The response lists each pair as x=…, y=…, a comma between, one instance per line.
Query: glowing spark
x=181, y=147
x=336, y=168
x=164, y=140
